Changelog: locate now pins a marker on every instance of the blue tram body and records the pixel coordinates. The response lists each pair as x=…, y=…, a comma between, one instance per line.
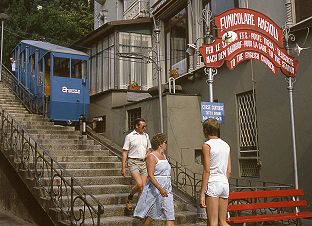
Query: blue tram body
x=55, y=74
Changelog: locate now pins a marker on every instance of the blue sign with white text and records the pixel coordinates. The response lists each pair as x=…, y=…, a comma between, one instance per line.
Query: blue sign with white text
x=212, y=110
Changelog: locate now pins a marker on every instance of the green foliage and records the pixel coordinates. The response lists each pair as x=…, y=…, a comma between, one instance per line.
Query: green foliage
x=60, y=22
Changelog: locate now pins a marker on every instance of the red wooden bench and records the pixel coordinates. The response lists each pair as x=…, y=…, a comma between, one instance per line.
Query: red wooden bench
x=266, y=205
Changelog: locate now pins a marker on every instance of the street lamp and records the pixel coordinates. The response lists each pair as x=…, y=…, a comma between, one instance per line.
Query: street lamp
x=3, y=17
x=157, y=32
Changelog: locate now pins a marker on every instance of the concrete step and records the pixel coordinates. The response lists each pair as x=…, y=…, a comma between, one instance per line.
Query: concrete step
x=11, y=104
x=54, y=127
x=13, y=111
x=100, y=189
x=80, y=153
x=94, y=172
x=66, y=141
x=87, y=159
x=30, y=120
x=66, y=146
x=90, y=165
x=182, y=218
x=27, y=116
x=56, y=136
x=52, y=131
x=29, y=124
x=95, y=180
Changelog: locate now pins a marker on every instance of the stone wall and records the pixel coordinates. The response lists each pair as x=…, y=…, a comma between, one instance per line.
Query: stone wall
x=16, y=199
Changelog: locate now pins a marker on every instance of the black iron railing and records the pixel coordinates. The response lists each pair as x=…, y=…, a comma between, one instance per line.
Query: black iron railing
x=189, y=182
x=61, y=191
x=33, y=103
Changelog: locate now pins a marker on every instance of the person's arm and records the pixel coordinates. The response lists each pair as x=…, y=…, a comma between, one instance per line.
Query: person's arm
x=229, y=167
x=124, y=158
x=148, y=152
x=149, y=147
x=206, y=173
x=150, y=164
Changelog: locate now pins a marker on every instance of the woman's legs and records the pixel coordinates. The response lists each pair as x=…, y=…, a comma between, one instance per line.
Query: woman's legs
x=147, y=221
x=169, y=223
x=223, y=204
x=212, y=204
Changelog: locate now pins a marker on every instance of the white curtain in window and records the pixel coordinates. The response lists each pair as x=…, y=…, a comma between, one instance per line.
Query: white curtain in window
x=134, y=67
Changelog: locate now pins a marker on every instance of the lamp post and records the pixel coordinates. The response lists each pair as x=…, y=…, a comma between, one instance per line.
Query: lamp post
x=157, y=32
x=192, y=49
x=290, y=86
x=3, y=17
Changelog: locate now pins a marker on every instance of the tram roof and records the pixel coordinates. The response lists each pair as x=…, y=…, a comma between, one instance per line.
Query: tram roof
x=53, y=48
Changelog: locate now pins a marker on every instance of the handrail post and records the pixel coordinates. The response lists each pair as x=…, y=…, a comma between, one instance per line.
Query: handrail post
x=177, y=174
x=2, y=121
x=11, y=138
x=194, y=186
x=99, y=212
x=51, y=180
x=71, y=200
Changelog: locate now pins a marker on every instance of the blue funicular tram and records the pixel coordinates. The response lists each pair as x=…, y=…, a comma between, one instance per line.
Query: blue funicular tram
x=55, y=75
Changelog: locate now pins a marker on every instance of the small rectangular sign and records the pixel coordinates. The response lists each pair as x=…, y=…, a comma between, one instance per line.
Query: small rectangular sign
x=212, y=110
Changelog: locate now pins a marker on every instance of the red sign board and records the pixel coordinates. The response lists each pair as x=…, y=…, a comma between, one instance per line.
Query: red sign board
x=236, y=19
x=264, y=44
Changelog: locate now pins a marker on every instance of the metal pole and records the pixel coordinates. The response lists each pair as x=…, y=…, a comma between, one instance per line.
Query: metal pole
x=293, y=133
x=2, y=27
x=157, y=31
x=290, y=87
x=209, y=72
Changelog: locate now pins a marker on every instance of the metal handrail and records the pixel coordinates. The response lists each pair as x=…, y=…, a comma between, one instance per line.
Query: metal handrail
x=47, y=173
x=33, y=103
x=189, y=182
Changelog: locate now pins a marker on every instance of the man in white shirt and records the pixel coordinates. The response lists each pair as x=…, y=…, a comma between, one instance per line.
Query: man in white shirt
x=135, y=149
x=13, y=65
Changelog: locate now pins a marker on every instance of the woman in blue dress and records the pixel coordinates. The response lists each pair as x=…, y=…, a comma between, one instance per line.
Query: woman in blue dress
x=156, y=200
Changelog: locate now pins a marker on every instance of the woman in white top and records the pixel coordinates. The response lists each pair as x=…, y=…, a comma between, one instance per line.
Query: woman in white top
x=214, y=190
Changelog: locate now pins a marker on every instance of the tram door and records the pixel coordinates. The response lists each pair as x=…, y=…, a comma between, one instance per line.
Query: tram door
x=69, y=91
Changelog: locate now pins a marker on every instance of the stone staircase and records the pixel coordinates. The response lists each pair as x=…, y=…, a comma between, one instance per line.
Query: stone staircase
x=94, y=167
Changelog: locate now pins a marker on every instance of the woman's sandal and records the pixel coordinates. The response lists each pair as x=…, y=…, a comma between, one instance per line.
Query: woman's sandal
x=129, y=204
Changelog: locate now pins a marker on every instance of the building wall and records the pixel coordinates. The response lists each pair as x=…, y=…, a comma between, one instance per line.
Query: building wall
x=181, y=122
x=101, y=105
x=113, y=11
x=273, y=115
x=183, y=126
x=182, y=116
x=276, y=11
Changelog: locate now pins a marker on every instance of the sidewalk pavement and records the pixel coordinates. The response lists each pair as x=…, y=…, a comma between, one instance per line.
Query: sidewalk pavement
x=7, y=219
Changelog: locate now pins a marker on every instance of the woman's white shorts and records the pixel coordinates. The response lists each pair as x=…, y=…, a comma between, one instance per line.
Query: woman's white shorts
x=218, y=189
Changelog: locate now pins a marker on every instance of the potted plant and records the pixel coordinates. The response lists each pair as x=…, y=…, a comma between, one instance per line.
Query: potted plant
x=134, y=86
x=174, y=72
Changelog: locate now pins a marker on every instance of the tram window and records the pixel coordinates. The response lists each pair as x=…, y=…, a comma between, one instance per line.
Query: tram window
x=47, y=76
x=40, y=73
x=61, y=67
x=32, y=66
x=76, y=68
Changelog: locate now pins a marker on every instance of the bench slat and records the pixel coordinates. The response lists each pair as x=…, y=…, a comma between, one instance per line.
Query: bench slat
x=266, y=193
x=269, y=217
x=264, y=205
